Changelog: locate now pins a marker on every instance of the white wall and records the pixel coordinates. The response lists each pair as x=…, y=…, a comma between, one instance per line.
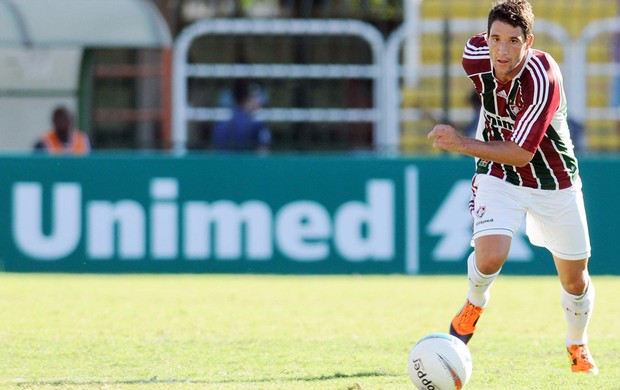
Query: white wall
x=32, y=83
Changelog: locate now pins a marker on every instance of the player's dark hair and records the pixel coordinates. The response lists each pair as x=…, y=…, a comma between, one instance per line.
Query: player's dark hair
x=517, y=13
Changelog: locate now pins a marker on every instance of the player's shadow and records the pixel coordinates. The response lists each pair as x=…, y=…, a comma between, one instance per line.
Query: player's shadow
x=153, y=380
x=339, y=375
x=156, y=380
x=315, y=378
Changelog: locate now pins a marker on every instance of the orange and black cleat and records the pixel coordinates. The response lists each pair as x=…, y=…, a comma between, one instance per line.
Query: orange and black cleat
x=463, y=324
x=581, y=360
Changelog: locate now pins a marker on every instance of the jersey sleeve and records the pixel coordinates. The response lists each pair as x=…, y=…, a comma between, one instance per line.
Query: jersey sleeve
x=476, y=57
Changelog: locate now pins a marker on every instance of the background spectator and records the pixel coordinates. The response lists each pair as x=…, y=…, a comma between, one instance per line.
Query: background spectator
x=243, y=132
x=63, y=138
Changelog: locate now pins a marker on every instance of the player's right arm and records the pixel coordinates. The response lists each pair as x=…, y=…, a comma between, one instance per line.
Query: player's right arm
x=445, y=137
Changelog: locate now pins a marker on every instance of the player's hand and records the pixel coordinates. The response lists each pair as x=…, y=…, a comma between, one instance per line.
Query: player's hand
x=445, y=137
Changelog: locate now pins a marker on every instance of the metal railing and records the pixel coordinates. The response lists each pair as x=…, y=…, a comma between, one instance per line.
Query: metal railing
x=580, y=69
x=182, y=112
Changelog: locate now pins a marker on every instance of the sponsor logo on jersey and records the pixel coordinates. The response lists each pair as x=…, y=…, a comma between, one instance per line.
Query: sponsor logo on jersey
x=498, y=123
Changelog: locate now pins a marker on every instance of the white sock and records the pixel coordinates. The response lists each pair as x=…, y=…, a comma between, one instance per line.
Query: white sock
x=578, y=310
x=479, y=283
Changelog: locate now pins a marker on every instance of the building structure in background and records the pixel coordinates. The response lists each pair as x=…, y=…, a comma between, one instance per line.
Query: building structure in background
x=46, y=60
x=118, y=91
x=288, y=92
x=433, y=91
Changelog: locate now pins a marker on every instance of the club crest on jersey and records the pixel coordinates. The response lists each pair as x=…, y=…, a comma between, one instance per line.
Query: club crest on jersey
x=515, y=108
x=480, y=211
x=516, y=102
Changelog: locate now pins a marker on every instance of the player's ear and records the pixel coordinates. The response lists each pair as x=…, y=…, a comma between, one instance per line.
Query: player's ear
x=529, y=40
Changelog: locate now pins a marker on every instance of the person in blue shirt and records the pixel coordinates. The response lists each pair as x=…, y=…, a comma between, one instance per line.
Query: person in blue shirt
x=243, y=132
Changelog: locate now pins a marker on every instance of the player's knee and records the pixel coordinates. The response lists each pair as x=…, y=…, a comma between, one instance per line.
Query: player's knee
x=575, y=286
x=573, y=275
x=491, y=252
x=490, y=263
x=491, y=260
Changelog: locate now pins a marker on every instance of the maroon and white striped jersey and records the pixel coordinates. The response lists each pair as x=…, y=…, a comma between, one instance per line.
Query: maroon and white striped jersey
x=529, y=110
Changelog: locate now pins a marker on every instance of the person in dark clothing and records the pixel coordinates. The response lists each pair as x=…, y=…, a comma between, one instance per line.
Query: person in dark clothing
x=243, y=132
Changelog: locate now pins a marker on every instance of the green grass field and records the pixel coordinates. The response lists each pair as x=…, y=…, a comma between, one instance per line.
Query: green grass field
x=283, y=332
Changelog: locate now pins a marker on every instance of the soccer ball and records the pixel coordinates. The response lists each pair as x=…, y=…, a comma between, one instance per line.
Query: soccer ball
x=439, y=361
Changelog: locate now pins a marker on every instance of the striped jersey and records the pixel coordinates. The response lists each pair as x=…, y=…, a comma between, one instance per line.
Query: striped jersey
x=529, y=110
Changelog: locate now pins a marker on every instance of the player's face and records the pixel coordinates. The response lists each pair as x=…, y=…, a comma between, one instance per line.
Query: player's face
x=508, y=48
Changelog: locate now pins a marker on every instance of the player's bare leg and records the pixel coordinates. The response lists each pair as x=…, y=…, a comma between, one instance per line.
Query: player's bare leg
x=577, y=301
x=483, y=266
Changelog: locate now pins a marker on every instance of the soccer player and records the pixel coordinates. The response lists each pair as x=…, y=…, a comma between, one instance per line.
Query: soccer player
x=525, y=165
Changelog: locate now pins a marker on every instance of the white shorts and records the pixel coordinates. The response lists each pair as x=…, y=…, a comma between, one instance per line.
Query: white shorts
x=555, y=220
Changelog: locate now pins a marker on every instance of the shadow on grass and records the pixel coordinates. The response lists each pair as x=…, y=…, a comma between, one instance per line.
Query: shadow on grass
x=319, y=378
x=156, y=380
x=339, y=375
x=153, y=380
